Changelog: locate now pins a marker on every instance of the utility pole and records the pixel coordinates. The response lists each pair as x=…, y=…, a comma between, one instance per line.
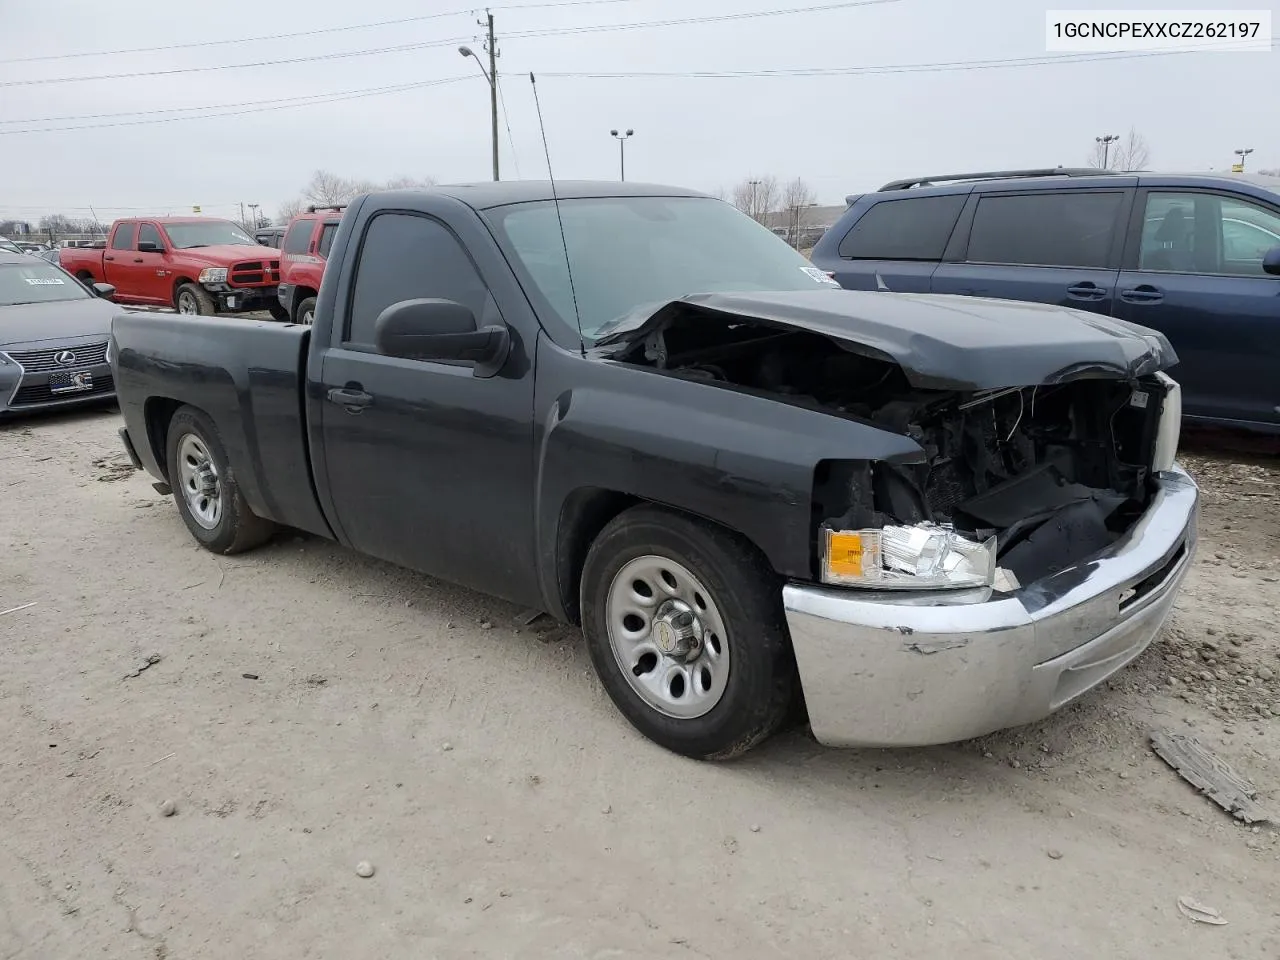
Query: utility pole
x=491, y=75
x=493, y=91
x=242, y=220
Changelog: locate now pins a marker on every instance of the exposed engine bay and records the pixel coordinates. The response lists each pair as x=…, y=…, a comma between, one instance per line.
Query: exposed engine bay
x=1055, y=472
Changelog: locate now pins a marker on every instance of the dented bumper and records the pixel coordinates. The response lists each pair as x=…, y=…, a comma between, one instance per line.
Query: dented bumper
x=893, y=669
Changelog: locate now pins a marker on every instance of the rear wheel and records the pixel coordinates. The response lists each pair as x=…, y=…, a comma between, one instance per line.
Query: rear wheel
x=307, y=311
x=193, y=300
x=685, y=629
x=205, y=489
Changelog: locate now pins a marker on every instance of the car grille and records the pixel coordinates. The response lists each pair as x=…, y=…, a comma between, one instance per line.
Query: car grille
x=252, y=273
x=40, y=392
x=35, y=361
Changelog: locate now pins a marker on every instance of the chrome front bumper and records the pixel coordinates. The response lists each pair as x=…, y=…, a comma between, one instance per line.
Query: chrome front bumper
x=894, y=670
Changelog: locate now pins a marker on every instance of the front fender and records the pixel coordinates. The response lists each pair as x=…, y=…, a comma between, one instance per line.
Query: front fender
x=743, y=461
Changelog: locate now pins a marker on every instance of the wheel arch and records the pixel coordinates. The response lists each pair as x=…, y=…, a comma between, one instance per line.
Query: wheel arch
x=300, y=293
x=158, y=414
x=584, y=514
x=177, y=285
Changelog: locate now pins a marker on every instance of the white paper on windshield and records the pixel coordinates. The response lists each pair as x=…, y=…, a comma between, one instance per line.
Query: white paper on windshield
x=44, y=281
x=820, y=276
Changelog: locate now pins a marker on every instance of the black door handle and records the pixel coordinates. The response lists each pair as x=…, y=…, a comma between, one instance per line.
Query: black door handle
x=137, y=260
x=108, y=258
x=1087, y=291
x=353, y=400
x=1142, y=294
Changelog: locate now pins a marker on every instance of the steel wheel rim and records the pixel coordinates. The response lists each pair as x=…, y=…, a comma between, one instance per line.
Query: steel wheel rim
x=187, y=304
x=201, y=485
x=307, y=317
x=646, y=601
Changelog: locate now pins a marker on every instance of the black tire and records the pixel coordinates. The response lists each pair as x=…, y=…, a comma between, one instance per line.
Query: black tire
x=278, y=312
x=761, y=685
x=306, y=308
x=237, y=528
x=196, y=296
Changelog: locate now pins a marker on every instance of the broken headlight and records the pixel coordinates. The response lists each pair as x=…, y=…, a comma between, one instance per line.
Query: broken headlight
x=919, y=557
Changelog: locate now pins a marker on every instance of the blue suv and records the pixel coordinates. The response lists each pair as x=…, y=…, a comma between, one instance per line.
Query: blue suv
x=1195, y=256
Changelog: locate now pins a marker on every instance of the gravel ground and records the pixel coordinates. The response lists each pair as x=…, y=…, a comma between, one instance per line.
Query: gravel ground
x=203, y=757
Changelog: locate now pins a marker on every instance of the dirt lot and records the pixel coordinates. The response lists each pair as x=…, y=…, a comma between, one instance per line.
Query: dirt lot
x=510, y=812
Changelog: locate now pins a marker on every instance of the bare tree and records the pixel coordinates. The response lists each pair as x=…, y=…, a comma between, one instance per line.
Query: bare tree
x=328, y=189
x=720, y=193
x=757, y=197
x=289, y=210
x=1132, y=153
x=797, y=198
x=410, y=183
x=1274, y=172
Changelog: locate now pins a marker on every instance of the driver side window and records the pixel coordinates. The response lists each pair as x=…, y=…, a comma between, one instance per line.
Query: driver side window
x=406, y=256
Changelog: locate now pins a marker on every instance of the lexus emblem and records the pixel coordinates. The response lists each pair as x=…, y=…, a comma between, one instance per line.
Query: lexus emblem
x=65, y=357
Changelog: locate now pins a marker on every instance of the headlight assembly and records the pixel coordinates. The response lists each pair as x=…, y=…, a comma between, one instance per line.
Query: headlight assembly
x=919, y=557
x=213, y=275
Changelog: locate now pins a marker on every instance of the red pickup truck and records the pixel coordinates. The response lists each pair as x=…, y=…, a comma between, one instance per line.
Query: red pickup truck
x=199, y=265
x=305, y=250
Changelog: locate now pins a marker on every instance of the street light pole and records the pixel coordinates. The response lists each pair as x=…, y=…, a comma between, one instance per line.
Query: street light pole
x=491, y=76
x=622, y=150
x=1106, y=142
x=1242, y=154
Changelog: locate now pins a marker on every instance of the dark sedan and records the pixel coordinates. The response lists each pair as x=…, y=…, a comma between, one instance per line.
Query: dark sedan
x=53, y=337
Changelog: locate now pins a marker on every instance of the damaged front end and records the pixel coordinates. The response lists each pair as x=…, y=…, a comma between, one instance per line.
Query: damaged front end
x=1015, y=482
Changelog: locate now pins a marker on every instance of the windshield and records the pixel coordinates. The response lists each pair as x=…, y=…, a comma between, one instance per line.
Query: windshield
x=37, y=282
x=629, y=252
x=184, y=236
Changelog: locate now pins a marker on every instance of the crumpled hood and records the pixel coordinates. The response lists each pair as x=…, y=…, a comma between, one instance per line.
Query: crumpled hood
x=941, y=341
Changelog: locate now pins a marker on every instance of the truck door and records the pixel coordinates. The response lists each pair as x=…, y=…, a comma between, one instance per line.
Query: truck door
x=154, y=284
x=425, y=464
x=117, y=260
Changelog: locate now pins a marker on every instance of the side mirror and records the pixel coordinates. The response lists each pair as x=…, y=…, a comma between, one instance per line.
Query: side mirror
x=1271, y=261
x=148, y=246
x=105, y=290
x=440, y=330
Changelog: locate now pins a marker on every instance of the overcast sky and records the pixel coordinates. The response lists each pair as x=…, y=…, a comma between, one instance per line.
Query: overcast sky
x=842, y=133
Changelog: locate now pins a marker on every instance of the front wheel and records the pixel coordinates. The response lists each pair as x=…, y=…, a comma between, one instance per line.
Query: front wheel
x=685, y=629
x=194, y=301
x=205, y=488
x=307, y=311
x=278, y=312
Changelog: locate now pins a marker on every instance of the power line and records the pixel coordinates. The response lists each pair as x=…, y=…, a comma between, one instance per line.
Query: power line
x=422, y=45
x=506, y=118
x=426, y=44
x=305, y=33
x=286, y=101
x=249, y=107
x=374, y=92
x=939, y=67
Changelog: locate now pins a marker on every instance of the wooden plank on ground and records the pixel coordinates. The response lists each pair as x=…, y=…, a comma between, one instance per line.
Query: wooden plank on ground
x=1211, y=776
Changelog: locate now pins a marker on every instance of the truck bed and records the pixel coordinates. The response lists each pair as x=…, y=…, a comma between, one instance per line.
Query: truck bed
x=248, y=376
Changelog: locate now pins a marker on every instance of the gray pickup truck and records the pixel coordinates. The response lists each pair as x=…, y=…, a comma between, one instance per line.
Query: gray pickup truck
x=919, y=518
